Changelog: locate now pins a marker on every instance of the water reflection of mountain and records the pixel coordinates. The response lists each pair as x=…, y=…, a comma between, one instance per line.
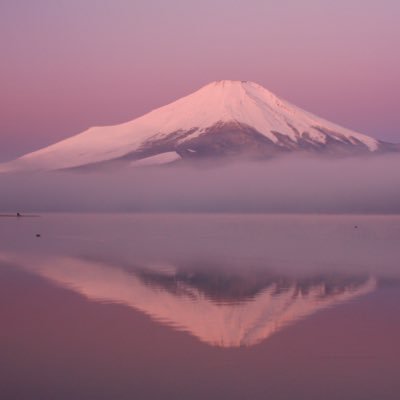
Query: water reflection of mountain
x=219, y=308
x=231, y=288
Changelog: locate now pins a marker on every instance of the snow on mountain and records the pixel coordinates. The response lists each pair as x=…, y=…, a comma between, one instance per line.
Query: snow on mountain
x=222, y=118
x=188, y=307
x=158, y=159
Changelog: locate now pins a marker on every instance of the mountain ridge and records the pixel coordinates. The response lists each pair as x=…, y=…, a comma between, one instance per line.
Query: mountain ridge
x=222, y=119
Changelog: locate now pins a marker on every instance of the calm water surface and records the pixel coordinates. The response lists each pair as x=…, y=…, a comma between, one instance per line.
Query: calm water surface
x=199, y=307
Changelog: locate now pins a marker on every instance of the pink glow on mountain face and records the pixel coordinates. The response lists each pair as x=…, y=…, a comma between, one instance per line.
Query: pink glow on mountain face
x=70, y=66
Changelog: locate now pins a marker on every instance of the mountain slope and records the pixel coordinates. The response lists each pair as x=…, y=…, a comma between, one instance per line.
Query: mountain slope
x=224, y=118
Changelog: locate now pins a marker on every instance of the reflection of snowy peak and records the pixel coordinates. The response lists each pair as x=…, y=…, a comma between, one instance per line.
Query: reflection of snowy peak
x=224, y=118
x=241, y=314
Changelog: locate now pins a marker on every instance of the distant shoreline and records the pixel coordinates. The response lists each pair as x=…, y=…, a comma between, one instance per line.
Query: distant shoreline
x=19, y=216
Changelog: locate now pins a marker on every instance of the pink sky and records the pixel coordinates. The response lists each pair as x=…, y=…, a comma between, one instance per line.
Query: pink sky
x=68, y=65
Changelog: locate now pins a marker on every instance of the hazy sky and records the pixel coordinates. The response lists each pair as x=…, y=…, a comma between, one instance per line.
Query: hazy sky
x=68, y=64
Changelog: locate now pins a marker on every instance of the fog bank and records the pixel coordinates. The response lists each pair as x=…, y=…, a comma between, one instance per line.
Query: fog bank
x=359, y=185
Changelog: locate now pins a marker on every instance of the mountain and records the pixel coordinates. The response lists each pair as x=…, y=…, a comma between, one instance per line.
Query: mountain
x=219, y=309
x=223, y=119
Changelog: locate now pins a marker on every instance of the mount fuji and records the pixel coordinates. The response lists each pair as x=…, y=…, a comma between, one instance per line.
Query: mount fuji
x=222, y=120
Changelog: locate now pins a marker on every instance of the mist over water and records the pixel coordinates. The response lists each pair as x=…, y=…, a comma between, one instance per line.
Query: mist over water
x=289, y=184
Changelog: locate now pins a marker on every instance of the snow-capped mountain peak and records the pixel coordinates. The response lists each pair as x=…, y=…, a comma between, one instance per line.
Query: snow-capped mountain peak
x=234, y=118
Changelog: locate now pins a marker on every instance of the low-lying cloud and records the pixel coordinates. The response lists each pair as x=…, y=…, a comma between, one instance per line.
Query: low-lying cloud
x=358, y=185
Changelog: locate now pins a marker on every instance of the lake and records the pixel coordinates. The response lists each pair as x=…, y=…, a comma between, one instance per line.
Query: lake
x=200, y=306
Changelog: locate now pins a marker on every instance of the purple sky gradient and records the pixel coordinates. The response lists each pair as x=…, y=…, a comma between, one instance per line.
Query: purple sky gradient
x=70, y=64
